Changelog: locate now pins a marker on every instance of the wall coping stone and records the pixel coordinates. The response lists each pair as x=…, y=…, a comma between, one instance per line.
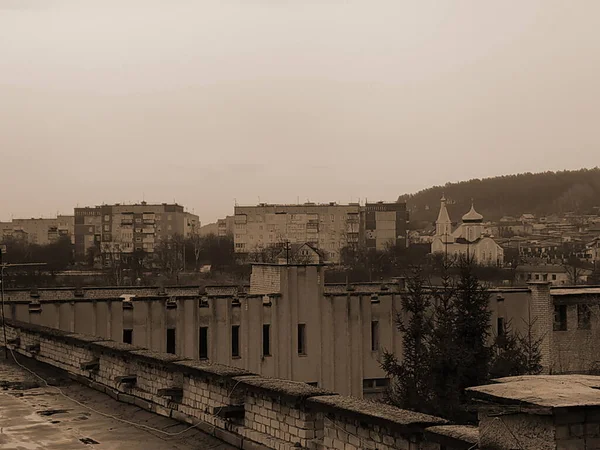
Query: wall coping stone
x=40, y=329
x=374, y=412
x=153, y=357
x=293, y=390
x=206, y=369
x=114, y=347
x=459, y=437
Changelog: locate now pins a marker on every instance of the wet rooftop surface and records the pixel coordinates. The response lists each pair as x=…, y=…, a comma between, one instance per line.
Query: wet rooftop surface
x=34, y=416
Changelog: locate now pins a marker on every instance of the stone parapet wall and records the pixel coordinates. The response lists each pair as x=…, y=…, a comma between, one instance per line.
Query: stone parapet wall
x=243, y=409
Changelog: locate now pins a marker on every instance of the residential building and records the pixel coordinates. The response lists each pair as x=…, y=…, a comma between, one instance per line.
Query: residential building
x=328, y=227
x=466, y=239
x=127, y=228
x=555, y=274
x=385, y=224
x=41, y=231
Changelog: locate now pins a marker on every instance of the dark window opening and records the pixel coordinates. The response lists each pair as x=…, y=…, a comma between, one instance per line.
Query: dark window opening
x=501, y=328
x=266, y=340
x=128, y=336
x=171, y=340
x=203, y=343
x=235, y=341
x=302, y=339
x=374, y=335
x=584, y=317
x=560, y=317
x=375, y=384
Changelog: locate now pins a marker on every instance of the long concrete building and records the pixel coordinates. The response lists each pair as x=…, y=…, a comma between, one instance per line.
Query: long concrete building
x=329, y=227
x=289, y=324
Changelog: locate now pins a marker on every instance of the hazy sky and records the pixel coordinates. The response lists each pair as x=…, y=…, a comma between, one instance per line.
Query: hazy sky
x=204, y=102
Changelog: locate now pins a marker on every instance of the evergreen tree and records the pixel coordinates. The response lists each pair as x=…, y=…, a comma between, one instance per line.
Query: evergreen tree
x=411, y=388
x=472, y=328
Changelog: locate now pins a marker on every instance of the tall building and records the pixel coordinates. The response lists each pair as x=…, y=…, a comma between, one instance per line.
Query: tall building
x=466, y=239
x=385, y=224
x=129, y=228
x=39, y=231
x=328, y=227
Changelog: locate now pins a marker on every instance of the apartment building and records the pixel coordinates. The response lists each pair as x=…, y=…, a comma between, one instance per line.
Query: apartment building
x=41, y=231
x=385, y=224
x=129, y=228
x=328, y=227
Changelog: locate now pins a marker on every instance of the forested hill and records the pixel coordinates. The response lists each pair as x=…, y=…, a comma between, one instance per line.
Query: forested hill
x=511, y=195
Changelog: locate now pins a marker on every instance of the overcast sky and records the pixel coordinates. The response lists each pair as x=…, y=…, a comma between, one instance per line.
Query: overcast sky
x=204, y=102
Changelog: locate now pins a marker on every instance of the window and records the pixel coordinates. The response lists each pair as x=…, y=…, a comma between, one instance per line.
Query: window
x=553, y=277
x=235, y=341
x=584, y=315
x=374, y=336
x=169, y=217
x=266, y=340
x=138, y=220
x=127, y=335
x=375, y=384
x=106, y=217
x=560, y=317
x=501, y=328
x=545, y=277
x=537, y=276
x=171, y=340
x=203, y=343
x=302, y=339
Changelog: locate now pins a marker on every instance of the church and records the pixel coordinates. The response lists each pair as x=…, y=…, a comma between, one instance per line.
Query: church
x=466, y=239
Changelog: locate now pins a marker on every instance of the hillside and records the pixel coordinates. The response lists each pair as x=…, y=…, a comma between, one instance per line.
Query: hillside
x=511, y=195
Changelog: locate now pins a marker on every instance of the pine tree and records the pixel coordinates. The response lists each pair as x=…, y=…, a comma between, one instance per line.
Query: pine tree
x=411, y=389
x=472, y=328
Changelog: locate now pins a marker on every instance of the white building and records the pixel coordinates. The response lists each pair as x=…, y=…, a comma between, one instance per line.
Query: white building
x=467, y=239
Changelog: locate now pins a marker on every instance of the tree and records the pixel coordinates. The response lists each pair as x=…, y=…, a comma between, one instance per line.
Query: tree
x=411, y=389
x=575, y=268
x=472, y=325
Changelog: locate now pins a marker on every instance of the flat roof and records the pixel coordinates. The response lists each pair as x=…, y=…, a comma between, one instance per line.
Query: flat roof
x=36, y=417
x=549, y=391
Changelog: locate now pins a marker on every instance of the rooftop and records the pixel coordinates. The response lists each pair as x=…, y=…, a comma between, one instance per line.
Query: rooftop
x=34, y=416
x=547, y=391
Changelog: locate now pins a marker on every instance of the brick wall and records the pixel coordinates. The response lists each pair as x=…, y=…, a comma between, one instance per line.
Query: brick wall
x=243, y=409
x=542, y=313
x=265, y=279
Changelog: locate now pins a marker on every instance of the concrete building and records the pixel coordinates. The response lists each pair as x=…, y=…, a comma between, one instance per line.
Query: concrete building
x=466, y=239
x=39, y=231
x=555, y=274
x=128, y=228
x=385, y=224
x=288, y=324
x=328, y=227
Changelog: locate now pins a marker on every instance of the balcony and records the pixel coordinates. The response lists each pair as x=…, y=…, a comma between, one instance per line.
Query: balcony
x=127, y=222
x=148, y=230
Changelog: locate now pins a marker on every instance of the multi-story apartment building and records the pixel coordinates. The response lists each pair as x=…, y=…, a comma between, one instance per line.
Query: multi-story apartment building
x=39, y=231
x=329, y=227
x=385, y=224
x=129, y=228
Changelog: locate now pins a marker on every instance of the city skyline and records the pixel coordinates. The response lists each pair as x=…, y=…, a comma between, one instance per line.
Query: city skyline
x=204, y=103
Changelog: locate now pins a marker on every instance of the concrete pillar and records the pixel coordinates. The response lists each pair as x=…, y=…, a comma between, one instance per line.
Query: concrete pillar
x=157, y=321
x=187, y=328
x=115, y=320
x=141, y=334
x=541, y=314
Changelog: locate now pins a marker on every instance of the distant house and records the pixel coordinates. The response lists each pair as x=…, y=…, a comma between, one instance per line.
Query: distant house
x=300, y=254
x=554, y=273
x=527, y=218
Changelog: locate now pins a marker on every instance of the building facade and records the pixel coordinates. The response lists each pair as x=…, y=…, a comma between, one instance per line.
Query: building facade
x=385, y=224
x=38, y=231
x=328, y=227
x=129, y=228
x=466, y=239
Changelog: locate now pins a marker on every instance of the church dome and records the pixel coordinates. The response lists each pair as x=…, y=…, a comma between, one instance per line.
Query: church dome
x=472, y=216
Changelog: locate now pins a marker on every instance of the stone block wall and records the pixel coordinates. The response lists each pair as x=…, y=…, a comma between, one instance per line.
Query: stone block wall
x=243, y=409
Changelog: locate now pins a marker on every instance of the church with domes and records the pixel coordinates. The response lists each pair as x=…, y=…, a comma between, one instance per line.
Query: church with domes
x=466, y=239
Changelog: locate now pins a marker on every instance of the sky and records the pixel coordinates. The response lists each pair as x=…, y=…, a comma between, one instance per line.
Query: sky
x=209, y=103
